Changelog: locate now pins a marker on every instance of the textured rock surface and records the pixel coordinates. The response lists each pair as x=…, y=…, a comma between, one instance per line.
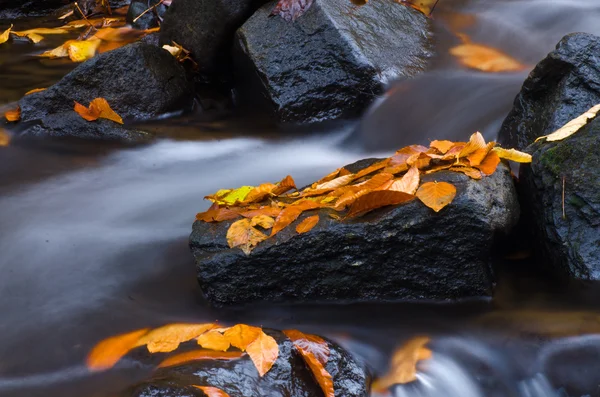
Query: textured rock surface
x=289, y=376
x=331, y=62
x=561, y=87
x=149, y=19
x=139, y=81
x=403, y=252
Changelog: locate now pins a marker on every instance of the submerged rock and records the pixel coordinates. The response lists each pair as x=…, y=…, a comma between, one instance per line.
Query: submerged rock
x=332, y=61
x=289, y=376
x=561, y=87
x=139, y=81
x=402, y=252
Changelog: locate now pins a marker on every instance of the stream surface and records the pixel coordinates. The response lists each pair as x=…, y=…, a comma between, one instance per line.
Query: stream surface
x=93, y=236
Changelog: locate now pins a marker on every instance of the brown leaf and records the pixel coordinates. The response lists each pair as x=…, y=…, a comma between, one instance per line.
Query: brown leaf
x=290, y=10
x=469, y=171
x=409, y=183
x=259, y=193
x=307, y=224
x=167, y=338
x=291, y=213
x=441, y=146
x=266, y=210
x=374, y=183
x=216, y=214
x=243, y=235
x=263, y=351
x=310, y=343
x=486, y=59
x=374, y=200
x=196, y=355
x=241, y=335
x=405, y=153
x=348, y=198
x=99, y=108
x=372, y=168
x=284, y=185
x=329, y=177
x=213, y=340
x=476, y=142
x=212, y=391
x=264, y=221
x=438, y=168
x=109, y=351
x=403, y=367
x=337, y=182
x=479, y=155
x=323, y=378
x=436, y=195
x=490, y=163
x=13, y=115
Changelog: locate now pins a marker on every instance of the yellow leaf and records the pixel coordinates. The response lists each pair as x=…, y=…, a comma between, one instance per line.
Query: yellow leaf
x=307, y=224
x=436, y=195
x=80, y=51
x=486, y=59
x=36, y=35
x=230, y=196
x=572, y=126
x=243, y=235
x=213, y=340
x=5, y=35
x=409, y=183
x=34, y=91
x=212, y=391
x=167, y=338
x=58, y=52
x=13, y=115
x=4, y=137
x=241, y=335
x=264, y=221
x=263, y=352
x=108, y=352
x=512, y=155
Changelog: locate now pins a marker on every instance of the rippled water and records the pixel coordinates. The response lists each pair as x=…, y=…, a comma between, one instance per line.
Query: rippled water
x=93, y=238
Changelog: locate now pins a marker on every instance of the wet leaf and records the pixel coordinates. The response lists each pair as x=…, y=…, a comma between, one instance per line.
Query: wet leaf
x=310, y=343
x=572, y=126
x=197, y=355
x=290, y=10
x=264, y=352
x=329, y=177
x=489, y=164
x=264, y=221
x=13, y=115
x=436, y=195
x=241, y=335
x=213, y=340
x=243, y=235
x=35, y=90
x=486, y=59
x=37, y=35
x=285, y=185
x=98, y=109
x=409, y=183
x=216, y=214
x=476, y=142
x=5, y=35
x=401, y=156
x=4, y=137
x=259, y=193
x=348, y=198
x=374, y=200
x=372, y=168
x=403, y=368
x=513, y=155
x=167, y=338
x=109, y=351
x=291, y=213
x=441, y=146
x=374, y=183
x=212, y=391
x=323, y=378
x=469, y=171
x=479, y=155
x=58, y=52
x=307, y=224
x=230, y=196
x=267, y=211
x=80, y=51
x=337, y=182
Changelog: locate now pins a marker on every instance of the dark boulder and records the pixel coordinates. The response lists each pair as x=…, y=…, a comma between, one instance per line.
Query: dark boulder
x=206, y=29
x=403, y=252
x=148, y=20
x=289, y=376
x=139, y=81
x=332, y=61
x=561, y=87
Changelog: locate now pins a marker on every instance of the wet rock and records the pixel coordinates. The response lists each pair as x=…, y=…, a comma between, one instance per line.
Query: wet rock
x=402, y=252
x=331, y=62
x=139, y=81
x=206, y=29
x=289, y=376
x=561, y=87
x=150, y=19
x=13, y=9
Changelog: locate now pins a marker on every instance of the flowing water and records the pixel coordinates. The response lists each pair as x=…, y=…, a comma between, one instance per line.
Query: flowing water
x=93, y=237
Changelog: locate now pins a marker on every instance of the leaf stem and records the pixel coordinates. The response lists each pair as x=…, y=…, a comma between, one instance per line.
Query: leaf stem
x=149, y=9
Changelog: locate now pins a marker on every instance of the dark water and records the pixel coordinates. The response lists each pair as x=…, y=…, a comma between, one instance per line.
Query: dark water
x=93, y=237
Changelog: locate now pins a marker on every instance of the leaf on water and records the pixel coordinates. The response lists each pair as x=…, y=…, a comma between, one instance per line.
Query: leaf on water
x=167, y=338
x=230, y=196
x=489, y=164
x=424, y=6
x=409, y=183
x=471, y=172
x=34, y=91
x=80, y=51
x=310, y=343
x=243, y=235
x=212, y=391
x=37, y=35
x=216, y=214
x=264, y=221
x=241, y=335
x=98, y=109
x=13, y=114
x=196, y=355
x=307, y=224
x=403, y=368
x=436, y=195
x=264, y=352
x=109, y=351
x=58, y=52
x=486, y=59
x=441, y=146
x=572, y=126
x=513, y=155
x=5, y=35
x=213, y=340
x=374, y=200
x=290, y=10
x=4, y=137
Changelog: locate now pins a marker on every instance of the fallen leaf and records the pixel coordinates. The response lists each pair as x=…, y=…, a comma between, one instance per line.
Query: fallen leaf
x=99, y=108
x=290, y=10
x=513, y=155
x=283, y=186
x=264, y=352
x=264, y=221
x=212, y=391
x=35, y=90
x=37, y=35
x=424, y=6
x=241, y=335
x=348, y=198
x=58, y=52
x=329, y=177
x=572, y=126
x=310, y=343
x=5, y=35
x=307, y=224
x=469, y=171
x=374, y=183
x=291, y=213
x=489, y=164
x=216, y=214
x=109, y=351
x=173, y=50
x=213, y=340
x=374, y=200
x=436, y=195
x=372, y=168
x=4, y=137
x=243, y=235
x=13, y=115
x=196, y=355
x=401, y=156
x=167, y=338
x=479, y=155
x=441, y=146
x=80, y=51
x=409, y=183
x=267, y=211
x=337, y=182
x=486, y=59
x=476, y=142
x=403, y=368
x=259, y=193
x=230, y=196
x=323, y=378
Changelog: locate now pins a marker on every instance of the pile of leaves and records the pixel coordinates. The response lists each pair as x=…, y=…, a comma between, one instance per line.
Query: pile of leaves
x=391, y=181
x=217, y=343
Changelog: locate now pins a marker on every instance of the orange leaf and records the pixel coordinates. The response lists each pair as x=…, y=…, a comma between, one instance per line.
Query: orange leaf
x=490, y=163
x=263, y=352
x=438, y=168
x=291, y=213
x=167, y=338
x=374, y=167
x=34, y=91
x=213, y=340
x=323, y=378
x=337, y=182
x=441, y=146
x=424, y=6
x=99, y=108
x=476, y=142
x=405, y=153
x=419, y=160
x=310, y=343
x=486, y=59
x=216, y=214
x=243, y=235
x=13, y=115
x=212, y=391
x=90, y=114
x=469, y=171
x=477, y=156
x=307, y=224
x=4, y=137
x=109, y=351
x=374, y=200
x=403, y=367
x=348, y=198
x=375, y=182
x=241, y=335
x=196, y=355
x=268, y=211
x=409, y=182
x=284, y=185
x=436, y=195
x=259, y=193
x=264, y=221
x=327, y=178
